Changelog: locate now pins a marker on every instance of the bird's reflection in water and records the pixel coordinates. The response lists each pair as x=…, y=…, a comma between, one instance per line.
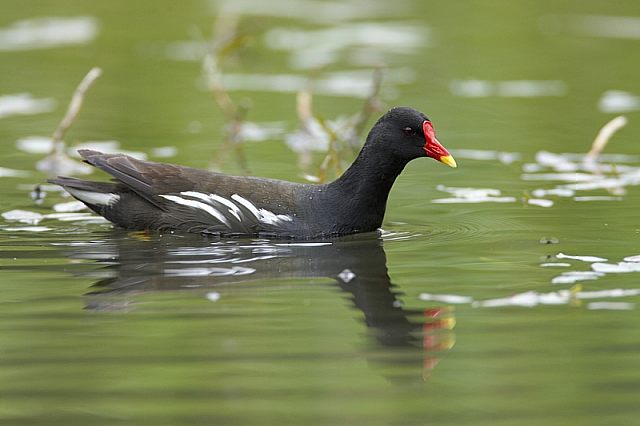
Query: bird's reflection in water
x=139, y=262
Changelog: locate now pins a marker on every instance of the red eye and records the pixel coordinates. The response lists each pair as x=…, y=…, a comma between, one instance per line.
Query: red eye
x=408, y=131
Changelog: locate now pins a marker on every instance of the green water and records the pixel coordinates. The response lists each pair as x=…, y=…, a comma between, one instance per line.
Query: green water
x=98, y=326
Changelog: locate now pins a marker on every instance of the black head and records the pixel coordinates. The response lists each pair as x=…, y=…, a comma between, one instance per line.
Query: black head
x=408, y=134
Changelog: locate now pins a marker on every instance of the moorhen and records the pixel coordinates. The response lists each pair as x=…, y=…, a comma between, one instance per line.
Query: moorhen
x=167, y=197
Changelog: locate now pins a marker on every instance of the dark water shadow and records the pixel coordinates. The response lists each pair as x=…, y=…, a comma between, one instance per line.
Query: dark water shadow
x=140, y=263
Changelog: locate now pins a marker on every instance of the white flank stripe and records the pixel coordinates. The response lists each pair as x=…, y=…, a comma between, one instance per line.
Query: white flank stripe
x=198, y=205
x=247, y=204
x=271, y=218
x=233, y=209
x=95, y=198
x=263, y=215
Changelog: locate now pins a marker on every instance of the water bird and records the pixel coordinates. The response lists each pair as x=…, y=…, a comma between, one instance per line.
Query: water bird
x=166, y=197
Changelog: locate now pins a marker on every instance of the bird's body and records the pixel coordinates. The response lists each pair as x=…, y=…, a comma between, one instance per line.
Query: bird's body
x=169, y=197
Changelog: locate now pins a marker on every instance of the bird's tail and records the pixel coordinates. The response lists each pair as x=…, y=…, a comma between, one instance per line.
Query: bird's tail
x=96, y=195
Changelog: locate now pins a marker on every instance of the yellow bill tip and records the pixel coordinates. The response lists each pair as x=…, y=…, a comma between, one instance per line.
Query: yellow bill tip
x=449, y=161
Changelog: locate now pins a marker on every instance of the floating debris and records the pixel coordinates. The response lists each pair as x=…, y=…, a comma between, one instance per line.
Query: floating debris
x=610, y=306
x=572, y=277
x=35, y=144
x=566, y=177
x=635, y=258
x=508, y=88
x=479, y=199
x=625, y=179
x=557, y=162
x=562, y=297
x=549, y=240
x=23, y=216
x=24, y=104
x=6, y=172
x=617, y=101
x=27, y=229
x=38, y=195
x=555, y=265
x=612, y=268
x=597, y=198
x=616, y=292
x=559, y=192
x=71, y=217
x=213, y=296
x=472, y=195
x=346, y=276
x=527, y=299
x=34, y=218
x=481, y=154
x=581, y=258
x=540, y=202
x=48, y=32
x=453, y=299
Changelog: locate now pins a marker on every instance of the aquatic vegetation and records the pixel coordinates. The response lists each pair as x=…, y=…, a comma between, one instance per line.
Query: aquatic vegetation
x=577, y=172
x=57, y=162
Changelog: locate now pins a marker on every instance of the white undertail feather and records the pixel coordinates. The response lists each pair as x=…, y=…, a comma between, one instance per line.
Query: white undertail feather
x=94, y=198
x=206, y=200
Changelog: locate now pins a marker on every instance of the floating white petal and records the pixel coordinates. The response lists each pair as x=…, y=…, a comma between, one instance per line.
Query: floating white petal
x=581, y=258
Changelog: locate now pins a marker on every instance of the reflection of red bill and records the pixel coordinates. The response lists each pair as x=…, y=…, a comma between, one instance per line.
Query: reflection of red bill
x=433, y=148
x=437, y=336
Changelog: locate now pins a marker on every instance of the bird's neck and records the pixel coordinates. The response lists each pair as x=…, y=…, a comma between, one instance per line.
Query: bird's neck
x=364, y=188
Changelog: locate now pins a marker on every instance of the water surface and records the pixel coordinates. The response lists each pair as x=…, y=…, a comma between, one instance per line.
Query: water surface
x=449, y=316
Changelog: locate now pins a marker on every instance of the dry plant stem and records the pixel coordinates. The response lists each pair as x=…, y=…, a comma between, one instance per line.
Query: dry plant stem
x=338, y=142
x=304, y=111
x=372, y=103
x=304, y=107
x=74, y=108
x=214, y=80
x=235, y=138
x=603, y=137
x=225, y=41
x=333, y=150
